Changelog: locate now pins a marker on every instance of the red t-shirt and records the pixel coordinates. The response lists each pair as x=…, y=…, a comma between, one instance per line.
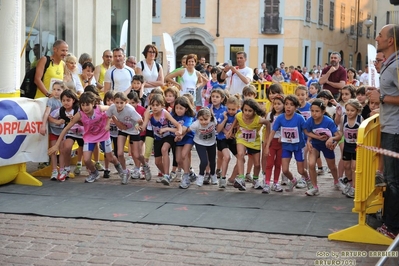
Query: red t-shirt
x=337, y=76
x=296, y=75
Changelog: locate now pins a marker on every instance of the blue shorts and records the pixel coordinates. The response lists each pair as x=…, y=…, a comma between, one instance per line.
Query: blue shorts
x=185, y=140
x=321, y=147
x=106, y=146
x=299, y=154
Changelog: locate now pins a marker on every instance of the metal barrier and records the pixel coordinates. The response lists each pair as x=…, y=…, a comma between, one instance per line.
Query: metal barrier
x=368, y=197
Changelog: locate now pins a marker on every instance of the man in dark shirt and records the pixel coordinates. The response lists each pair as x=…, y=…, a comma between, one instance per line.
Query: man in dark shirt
x=334, y=76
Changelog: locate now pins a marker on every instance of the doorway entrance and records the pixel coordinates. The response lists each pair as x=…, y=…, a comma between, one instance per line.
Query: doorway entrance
x=192, y=46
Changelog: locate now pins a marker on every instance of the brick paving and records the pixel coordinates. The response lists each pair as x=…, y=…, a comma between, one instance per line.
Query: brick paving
x=35, y=240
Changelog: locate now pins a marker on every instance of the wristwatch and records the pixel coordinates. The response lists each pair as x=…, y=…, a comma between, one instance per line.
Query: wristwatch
x=382, y=96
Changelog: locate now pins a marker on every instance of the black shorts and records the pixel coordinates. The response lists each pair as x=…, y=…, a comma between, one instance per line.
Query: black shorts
x=349, y=156
x=159, y=143
x=252, y=151
x=142, y=138
x=230, y=144
x=78, y=140
x=131, y=137
x=149, y=133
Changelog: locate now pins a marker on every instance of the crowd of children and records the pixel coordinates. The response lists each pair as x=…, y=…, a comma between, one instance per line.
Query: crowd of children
x=304, y=125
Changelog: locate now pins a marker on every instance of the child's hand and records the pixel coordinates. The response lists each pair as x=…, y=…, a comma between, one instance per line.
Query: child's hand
x=60, y=122
x=225, y=115
x=330, y=144
x=228, y=134
x=53, y=150
x=323, y=137
x=339, y=110
x=43, y=131
x=333, y=102
x=309, y=145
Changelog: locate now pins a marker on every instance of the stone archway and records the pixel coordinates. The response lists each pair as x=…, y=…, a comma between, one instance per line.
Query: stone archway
x=195, y=35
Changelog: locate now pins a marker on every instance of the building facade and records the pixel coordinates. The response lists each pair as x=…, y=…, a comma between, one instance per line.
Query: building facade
x=301, y=32
x=89, y=26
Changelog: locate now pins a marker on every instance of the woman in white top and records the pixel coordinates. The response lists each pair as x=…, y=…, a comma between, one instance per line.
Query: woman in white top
x=71, y=78
x=190, y=78
x=151, y=70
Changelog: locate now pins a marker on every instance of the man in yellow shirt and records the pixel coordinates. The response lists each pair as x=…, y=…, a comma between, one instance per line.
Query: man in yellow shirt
x=99, y=71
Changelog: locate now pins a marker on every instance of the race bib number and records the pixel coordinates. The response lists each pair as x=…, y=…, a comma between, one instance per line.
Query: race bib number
x=248, y=135
x=306, y=114
x=206, y=136
x=191, y=91
x=350, y=135
x=289, y=135
x=322, y=131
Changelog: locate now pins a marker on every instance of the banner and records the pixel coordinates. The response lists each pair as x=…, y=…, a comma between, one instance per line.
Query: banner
x=374, y=77
x=169, y=54
x=20, y=123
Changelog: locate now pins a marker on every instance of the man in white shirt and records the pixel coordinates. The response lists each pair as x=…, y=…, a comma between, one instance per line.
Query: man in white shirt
x=364, y=78
x=119, y=76
x=240, y=75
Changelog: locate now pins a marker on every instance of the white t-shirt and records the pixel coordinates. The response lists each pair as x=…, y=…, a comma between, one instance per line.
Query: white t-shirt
x=128, y=116
x=189, y=83
x=237, y=85
x=122, y=78
x=364, y=78
x=205, y=136
x=149, y=74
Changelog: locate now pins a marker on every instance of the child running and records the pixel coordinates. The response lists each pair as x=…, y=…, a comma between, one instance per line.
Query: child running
x=163, y=140
x=227, y=145
x=322, y=137
x=349, y=127
x=113, y=131
x=291, y=125
x=96, y=130
x=55, y=124
x=204, y=129
x=128, y=120
x=249, y=123
x=273, y=158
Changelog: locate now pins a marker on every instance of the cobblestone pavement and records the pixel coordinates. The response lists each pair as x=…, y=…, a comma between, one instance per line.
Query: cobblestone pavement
x=35, y=240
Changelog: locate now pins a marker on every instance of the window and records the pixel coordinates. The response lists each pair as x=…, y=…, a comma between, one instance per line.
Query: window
x=360, y=24
x=154, y=8
x=352, y=28
x=342, y=23
x=308, y=8
x=272, y=20
x=321, y=12
x=331, y=24
x=193, y=8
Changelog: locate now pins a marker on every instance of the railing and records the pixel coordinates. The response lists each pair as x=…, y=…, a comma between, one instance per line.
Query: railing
x=288, y=88
x=368, y=197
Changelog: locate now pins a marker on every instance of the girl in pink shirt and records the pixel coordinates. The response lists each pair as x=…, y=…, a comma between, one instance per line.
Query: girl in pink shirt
x=96, y=130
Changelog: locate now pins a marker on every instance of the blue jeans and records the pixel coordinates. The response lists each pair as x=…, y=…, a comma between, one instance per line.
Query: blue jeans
x=391, y=173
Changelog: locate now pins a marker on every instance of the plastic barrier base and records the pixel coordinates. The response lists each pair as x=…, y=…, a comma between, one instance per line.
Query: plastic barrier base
x=17, y=174
x=361, y=234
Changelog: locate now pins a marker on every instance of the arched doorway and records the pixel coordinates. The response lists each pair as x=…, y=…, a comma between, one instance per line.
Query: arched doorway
x=194, y=40
x=192, y=46
x=359, y=61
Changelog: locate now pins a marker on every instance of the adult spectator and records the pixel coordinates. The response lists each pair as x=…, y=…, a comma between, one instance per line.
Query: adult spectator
x=379, y=59
x=99, y=71
x=240, y=75
x=364, y=78
x=131, y=61
x=55, y=70
x=284, y=72
x=262, y=67
x=36, y=52
x=85, y=57
x=267, y=76
x=208, y=70
x=190, y=77
x=151, y=70
x=71, y=78
x=256, y=74
x=119, y=76
x=201, y=64
x=305, y=72
x=277, y=76
x=296, y=76
x=269, y=68
x=388, y=96
x=351, y=73
x=333, y=77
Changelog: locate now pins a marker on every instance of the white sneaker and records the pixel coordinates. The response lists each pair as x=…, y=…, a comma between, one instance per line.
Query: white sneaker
x=266, y=189
x=54, y=175
x=172, y=176
x=200, y=180
x=214, y=179
x=179, y=175
x=135, y=174
x=312, y=192
x=277, y=188
x=129, y=161
x=248, y=178
x=258, y=184
x=222, y=183
x=301, y=183
x=284, y=180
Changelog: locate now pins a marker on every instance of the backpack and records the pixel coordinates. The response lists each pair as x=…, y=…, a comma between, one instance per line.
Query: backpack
x=142, y=65
x=28, y=87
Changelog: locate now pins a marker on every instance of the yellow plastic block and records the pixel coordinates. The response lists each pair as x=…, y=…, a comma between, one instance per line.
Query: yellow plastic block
x=361, y=234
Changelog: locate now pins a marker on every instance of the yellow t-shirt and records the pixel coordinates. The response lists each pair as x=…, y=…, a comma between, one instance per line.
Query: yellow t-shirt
x=248, y=134
x=53, y=72
x=102, y=74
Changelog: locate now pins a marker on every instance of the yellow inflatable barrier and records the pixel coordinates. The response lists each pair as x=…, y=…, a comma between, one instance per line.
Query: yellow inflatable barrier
x=368, y=197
